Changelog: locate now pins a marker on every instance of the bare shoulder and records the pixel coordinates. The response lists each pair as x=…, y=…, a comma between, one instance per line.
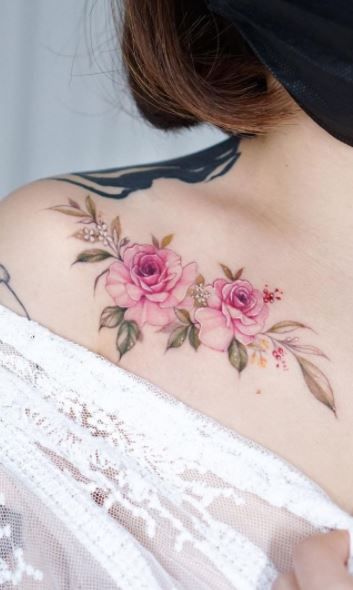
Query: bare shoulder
x=161, y=284
x=42, y=225
x=59, y=235
x=51, y=278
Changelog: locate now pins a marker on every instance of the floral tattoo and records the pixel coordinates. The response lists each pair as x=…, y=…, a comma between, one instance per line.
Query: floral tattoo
x=149, y=285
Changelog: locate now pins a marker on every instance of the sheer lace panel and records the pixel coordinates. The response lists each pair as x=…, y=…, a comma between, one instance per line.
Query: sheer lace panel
x=106, y=481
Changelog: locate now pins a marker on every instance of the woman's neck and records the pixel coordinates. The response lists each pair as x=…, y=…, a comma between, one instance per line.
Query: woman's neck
x=298, y=180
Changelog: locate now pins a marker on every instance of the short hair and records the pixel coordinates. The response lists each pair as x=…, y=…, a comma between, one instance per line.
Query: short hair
x=186, y=65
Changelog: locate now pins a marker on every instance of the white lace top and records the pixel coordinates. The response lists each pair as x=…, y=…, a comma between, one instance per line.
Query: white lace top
x=106, y=481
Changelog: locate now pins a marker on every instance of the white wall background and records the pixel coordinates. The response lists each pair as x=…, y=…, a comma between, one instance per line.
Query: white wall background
x=60, y=108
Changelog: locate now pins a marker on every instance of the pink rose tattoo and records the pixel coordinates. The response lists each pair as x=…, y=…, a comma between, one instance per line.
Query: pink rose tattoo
x=150, y=281
x=234, y=310
x=149, y=285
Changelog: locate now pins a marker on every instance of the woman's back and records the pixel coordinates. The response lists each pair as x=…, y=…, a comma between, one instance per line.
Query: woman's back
x=108, y=273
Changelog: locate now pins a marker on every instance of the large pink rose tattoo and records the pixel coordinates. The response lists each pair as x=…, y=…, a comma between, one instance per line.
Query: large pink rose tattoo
x=150, y=282
x=234, y=310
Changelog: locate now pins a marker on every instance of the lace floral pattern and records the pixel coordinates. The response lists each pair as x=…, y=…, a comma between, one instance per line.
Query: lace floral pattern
x=161, y=498
x=13, y=566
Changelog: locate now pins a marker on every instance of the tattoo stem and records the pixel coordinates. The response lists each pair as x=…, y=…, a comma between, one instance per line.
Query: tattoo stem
x=98, y=277
x=17, y=299
x=275, y=341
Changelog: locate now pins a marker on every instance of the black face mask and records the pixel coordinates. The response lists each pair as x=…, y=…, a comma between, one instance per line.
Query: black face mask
x=308, y=46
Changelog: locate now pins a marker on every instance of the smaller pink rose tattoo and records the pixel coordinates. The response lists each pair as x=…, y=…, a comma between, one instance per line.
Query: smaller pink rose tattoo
x=235, y=309
x=149, y=285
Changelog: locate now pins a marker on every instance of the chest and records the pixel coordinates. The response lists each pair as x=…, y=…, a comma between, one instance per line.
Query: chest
x=272, y=405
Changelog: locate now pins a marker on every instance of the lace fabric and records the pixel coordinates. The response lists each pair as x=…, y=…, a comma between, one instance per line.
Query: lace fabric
x=107, y=481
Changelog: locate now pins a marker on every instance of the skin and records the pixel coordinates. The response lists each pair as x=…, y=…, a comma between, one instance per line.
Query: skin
x=320, y=229
x=278, y=172
x=291, y=192
x=319, y=563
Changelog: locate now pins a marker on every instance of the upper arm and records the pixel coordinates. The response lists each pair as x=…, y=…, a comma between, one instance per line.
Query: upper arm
x=36, y=253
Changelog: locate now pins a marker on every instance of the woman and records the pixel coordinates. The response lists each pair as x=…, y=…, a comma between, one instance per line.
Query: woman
x=175, y=338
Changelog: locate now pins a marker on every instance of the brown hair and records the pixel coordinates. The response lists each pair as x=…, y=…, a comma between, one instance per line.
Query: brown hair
x=186, y=65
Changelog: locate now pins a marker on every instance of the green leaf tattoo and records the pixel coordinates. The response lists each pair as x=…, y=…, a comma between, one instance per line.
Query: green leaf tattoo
x=237, y=355
x=317, y=383
x=283, y=327
x=111, y=316
x=177, y=337
x=93, y=255
x=194, y=336
x=128, y=334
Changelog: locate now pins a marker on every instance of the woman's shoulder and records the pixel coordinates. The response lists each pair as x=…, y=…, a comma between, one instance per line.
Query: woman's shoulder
x=57, y=231
x=56, y=235
x=36, y=254
x=163, y=271
x=48, y=223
